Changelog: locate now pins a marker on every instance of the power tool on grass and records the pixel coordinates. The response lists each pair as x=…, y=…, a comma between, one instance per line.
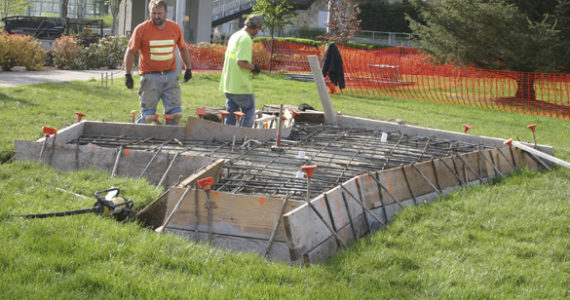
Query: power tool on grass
x=110, y=205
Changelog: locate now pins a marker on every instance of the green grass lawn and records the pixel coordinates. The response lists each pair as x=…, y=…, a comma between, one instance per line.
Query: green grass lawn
x=506, y=239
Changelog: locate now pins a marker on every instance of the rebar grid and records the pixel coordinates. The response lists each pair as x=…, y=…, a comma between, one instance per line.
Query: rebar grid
x=253, y=167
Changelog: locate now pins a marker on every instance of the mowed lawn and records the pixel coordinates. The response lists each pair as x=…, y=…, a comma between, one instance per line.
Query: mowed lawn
x=505, y=239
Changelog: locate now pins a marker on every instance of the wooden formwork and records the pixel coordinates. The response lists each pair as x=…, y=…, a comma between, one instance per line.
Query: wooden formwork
x=353, y=209
x=280, y=228
x=368, y=201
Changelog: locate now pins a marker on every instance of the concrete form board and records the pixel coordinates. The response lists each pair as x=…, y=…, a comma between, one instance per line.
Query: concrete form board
x=305, y=230
x=66, y=134
x=250, y=216
x=199, y=129
x=412, y=130
x=133, y=130
x=310, y=239
x=131, y=164
x=301, y=230
x=279, y=250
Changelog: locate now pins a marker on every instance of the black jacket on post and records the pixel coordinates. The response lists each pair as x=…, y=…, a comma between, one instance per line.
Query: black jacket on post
x=332, y=65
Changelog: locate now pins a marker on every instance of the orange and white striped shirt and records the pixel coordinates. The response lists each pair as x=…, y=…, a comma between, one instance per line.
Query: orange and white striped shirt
x=156, y=46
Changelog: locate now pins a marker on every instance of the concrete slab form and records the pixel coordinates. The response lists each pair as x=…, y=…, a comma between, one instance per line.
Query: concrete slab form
x=367, y=170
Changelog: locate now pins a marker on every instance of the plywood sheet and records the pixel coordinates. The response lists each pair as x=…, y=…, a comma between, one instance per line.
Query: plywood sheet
x=200, y=129
x=305, y=230
x=164, y=132
x=233, y=214
x=279, y=250
x=131, y=163
x=364, y=123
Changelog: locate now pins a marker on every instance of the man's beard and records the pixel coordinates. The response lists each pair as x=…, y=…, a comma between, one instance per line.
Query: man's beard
x=158, y=22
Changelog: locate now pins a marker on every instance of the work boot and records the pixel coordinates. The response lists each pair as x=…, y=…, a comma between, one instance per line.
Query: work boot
x=149, y=119
x=176, y=117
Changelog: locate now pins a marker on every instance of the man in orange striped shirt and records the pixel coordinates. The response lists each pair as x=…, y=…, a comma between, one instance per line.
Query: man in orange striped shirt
x=156, y=39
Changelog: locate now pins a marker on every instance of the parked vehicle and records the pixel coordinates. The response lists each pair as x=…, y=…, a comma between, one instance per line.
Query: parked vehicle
x=47, y=29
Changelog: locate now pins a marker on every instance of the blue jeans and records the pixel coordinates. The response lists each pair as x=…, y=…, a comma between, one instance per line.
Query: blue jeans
x=247, y=104
x=155, y=86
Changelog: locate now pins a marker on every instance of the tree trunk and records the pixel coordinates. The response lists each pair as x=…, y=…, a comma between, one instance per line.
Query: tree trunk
x=271, y=56
x=525, y=87
x=114, y=26
x=63, y=11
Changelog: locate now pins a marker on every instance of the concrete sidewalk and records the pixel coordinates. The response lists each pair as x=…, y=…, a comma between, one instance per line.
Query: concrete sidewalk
x=17, y=78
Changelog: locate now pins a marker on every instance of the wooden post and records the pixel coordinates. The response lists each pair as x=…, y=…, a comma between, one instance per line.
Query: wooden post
x=330, y=115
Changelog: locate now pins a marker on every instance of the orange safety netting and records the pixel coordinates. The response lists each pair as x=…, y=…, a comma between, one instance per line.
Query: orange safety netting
x=407, y=73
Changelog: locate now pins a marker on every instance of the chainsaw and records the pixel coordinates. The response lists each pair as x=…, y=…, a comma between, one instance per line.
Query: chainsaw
x=110, y=205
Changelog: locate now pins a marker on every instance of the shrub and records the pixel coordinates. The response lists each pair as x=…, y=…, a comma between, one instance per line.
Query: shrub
x=20, y=50
x=307, y=32
x=67, y=53
x=107, y=53
x=111, y=50
x=319, y=43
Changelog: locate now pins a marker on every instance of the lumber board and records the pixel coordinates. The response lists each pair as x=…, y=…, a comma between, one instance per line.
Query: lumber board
x=214, y=170
x=279, y=250
x=369, y=189
x=200, y=129
x=153, y=215
x=233, y=214
x=305, y=230
x=330, y=114
x=66, y=134
x=310, y=116
x=71, y=157
x=328, y=246
x=528, y=160
x=163, y=132
x=413, y=130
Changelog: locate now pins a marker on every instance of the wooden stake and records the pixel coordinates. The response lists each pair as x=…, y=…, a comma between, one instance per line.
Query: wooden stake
x=435, y=173
x=161, y=228
x=115, y=167
x=210, y=217
x=362, y=201
x=459, y=180
x=377, y=179
x=363, y=206
x=497, y=172
x=196, y=215
x=426, y=179
x=349, y=214
x=387, y=191
x=275, y=226
x=505, y=157
x=326, y=199
x=470, y=168
x=326, y=224
x=408, y=183
x=463, y=182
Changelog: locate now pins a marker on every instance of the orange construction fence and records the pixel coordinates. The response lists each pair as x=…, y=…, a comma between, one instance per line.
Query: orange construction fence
x=407, y=73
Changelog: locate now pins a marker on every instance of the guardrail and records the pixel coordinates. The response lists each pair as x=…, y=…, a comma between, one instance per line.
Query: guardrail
x=223, y=8
x=385, y=38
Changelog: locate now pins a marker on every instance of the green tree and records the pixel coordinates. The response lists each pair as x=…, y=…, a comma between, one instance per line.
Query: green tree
x=275, y=14
x=12, y=7
x=518, y=35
